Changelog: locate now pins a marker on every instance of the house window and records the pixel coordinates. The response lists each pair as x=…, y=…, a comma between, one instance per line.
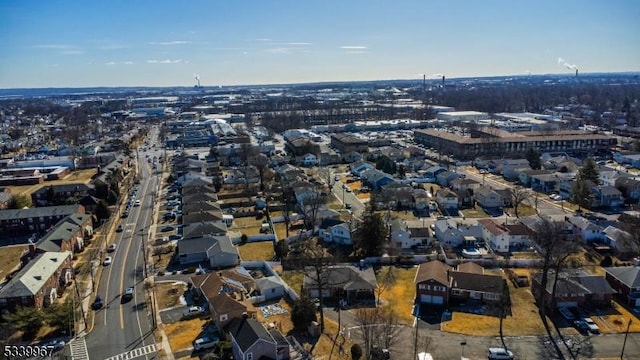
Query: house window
x=3, y=302
x=249, y=356
x=25, y=300
x=224, y=317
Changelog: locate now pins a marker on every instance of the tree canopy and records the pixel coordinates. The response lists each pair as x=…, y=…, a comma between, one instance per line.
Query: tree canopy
x=371, y=234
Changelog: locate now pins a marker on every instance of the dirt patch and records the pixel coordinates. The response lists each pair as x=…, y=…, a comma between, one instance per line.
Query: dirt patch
x=616, y=320
x=256, y=251
x=182, y=333
x=168, y=294
x=294, y=279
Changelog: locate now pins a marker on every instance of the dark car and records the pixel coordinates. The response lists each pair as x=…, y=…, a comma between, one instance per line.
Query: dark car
x=56, y=344
x=119, y=229
x=97, y=303
x=167, y=229
x=125, y=215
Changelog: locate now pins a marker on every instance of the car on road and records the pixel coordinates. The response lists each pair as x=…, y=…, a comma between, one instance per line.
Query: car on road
x=97, y=303
x=193, y=311
x=124, y=215
x=593, y=327
x=137, y=203
x=167, y=229
x=107, y=261
x=128, y=293
x=499, y=354
x=205, y=342
x=111, y=248
x=119, y=229
x=55, y=344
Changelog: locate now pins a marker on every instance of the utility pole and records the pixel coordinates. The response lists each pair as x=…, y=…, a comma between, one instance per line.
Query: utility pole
x=84, y=318
x=626, y=334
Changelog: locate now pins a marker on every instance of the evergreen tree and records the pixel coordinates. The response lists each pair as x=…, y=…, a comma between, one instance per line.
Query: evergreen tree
x=29, y=320
x=589, y=171
x=581, y=193
x=303, y=313
x=102, y=211
x=533, y=157
x=371, y=234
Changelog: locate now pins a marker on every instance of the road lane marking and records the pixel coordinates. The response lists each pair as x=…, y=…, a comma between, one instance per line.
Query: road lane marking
x=132, y=354
x=78, y=349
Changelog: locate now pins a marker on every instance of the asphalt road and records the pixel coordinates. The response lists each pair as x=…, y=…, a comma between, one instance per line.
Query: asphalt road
x=357, y=207
x=125, y=325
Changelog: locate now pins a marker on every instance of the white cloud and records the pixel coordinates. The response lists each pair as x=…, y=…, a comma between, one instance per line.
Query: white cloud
x=54, y=46
x=353, y=47
x=111, y=63
x=298, y=44
x=128, y=63
x=166, y=61
x=262, y=39
x=72, y=52
x=170, y=43
x=279, y=50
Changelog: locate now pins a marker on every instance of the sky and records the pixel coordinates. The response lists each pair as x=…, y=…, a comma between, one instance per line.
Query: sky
x=75, y=43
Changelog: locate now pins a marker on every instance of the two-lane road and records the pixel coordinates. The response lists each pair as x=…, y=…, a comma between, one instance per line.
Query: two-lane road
x=124, y=325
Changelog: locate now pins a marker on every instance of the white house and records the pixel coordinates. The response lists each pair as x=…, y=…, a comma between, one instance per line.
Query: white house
x=452, y=232
x=509, y=167
x=335, y=231
x=447, y=199
x=403, y=237
x=585, y=230
x=620, y=240
x=501, y=237
x=359, y=167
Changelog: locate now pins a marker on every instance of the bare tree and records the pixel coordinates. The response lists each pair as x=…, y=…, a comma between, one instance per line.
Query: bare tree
x=555, y=247
x=261, y=162
x=317, y=262
x=519, y=195
x=379, y=327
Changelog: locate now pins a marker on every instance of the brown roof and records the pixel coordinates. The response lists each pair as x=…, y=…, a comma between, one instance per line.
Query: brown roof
x=477, y=282
x=492, y=226
x=513, y=138
x=470, y=267
x=435, y=270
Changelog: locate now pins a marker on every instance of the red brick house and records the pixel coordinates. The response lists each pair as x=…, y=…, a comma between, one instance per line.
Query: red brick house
x=432, y=283
x=39, y=283
x=574, y=289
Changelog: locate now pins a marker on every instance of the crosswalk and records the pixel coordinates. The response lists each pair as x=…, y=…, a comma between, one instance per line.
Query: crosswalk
x=79, y=349
x=134, y=353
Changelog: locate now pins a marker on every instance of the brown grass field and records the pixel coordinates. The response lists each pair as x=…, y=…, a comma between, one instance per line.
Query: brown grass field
x=168, y=294
x=182, y=333
x=256, y=251
x=397, y=290
x=10, y=258
x=77, y=177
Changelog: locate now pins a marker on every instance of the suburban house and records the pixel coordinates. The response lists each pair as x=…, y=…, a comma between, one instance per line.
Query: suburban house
x=352, y=157
x=309, y=159
x=225, y=298
x=213, y=228
x=251, y=341
x=469, y=282
x=433, y=172
x=39, y=283
x=202, y=206
x=453, y=232
x=432, y=283
x=626, y=281
x=503, y=237
x=621, y=241
x=404, y=238
x=58, y=194
x=348, y=282
x=217, y=251
x=607, y=196
x=447, y=200
x=335, y=231
x=360, y=167
x=629, y=187
x=573, y=289
x=487, y=198
x=584, y=229
x=445, y=177
x=524, y=176
x=376, y=179
x=464, y=184
x=509, y=167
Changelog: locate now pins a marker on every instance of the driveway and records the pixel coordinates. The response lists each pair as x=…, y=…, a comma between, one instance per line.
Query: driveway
x=172, y=315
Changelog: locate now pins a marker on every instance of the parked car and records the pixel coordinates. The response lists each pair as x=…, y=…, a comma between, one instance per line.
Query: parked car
x=97, y=303
x=107, y=261
x=137, y=203
x=499, y=354
x=111, y=248
x=119, y=229
x=124, y=215
x=55, y=344
x=193, y=311
x=566, y=313
x=167, y=229
x=205, y=342
x=581, y=326
x=593, y=327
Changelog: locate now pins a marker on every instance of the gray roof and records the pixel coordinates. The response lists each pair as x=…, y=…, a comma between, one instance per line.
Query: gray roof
x=476, y=282
x=204, y=228
x=584, y=223
x=628, y=275
x=32, y=278
x=199, y=206
x=269, y=282
x=247, y=332
x=61, y=210
x=195, y=196
x=222, y=244
x=201, y=216
x=347, y=277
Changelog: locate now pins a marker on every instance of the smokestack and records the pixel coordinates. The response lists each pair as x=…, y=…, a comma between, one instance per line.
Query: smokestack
x=424, y=82
x=576, y=72
x=442, y=80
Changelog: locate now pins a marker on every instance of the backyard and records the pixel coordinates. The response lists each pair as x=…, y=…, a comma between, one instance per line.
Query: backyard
x=10, y=258
x=397, y=290
x=256, y=251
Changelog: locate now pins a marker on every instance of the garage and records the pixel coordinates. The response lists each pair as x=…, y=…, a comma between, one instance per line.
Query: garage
x=431, y=299
x=568, y=304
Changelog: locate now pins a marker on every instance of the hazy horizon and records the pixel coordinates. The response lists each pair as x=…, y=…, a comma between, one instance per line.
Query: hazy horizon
x=163, y=43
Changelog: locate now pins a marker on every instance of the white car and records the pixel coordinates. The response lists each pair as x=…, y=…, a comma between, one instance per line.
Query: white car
x=136, y=203
x=593, y=327
x=205, y=342
x=193, y=311
x=499, y=354
x=107, y=261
